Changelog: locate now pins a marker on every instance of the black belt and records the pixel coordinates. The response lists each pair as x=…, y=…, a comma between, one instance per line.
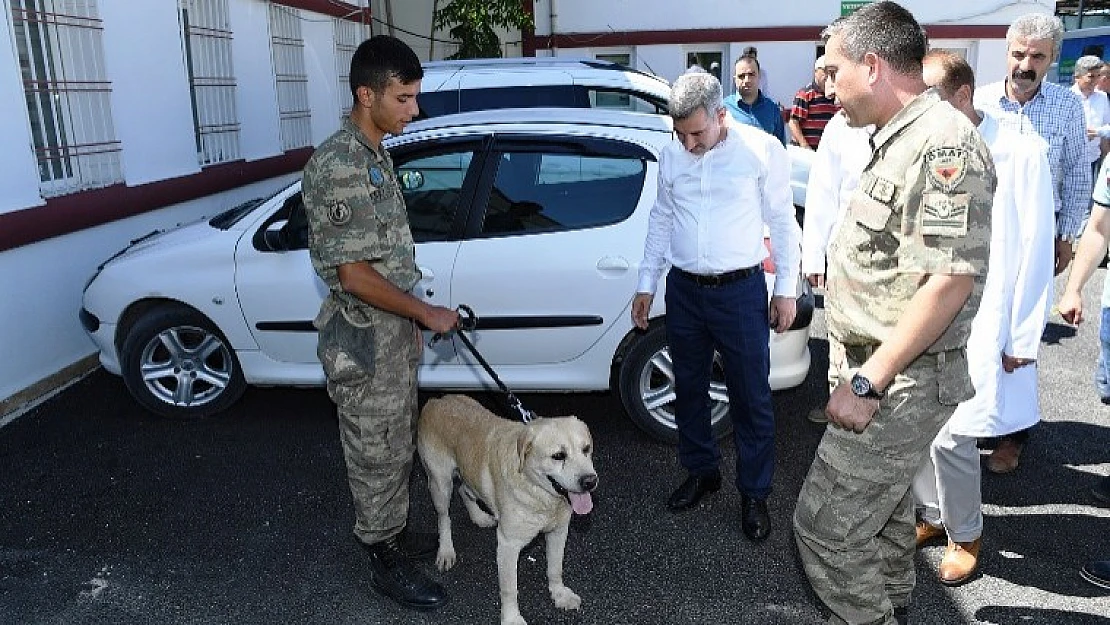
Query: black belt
x=718, y=279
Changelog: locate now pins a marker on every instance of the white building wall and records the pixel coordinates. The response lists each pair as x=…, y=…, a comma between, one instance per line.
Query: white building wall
x=323, y=85
x=788, y=65
x=256, y=90
x=591, y=16
x=42, y=283
x=144, y=59
x=19, y=174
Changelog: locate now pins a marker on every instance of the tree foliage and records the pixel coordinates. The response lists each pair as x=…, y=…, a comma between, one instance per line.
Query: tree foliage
x=472, y=24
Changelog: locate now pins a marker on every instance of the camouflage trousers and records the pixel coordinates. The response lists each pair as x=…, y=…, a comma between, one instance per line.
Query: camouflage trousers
x=854, y=522
x=371, y=374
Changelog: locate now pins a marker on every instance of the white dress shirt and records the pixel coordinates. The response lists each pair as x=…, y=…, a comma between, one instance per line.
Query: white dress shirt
x=840, y=158
x=710, y=209
x=1096, y=110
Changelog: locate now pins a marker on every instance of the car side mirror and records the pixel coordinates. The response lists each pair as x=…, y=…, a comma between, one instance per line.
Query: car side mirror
x=411, y=180
x=273, y=238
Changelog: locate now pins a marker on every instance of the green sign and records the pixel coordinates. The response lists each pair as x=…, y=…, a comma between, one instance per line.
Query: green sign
x=847, y=7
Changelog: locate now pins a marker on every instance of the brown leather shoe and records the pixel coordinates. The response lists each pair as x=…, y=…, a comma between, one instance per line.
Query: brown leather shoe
x=927, y=532
x=817, y=415
x=960, y=562
x=1004, y=458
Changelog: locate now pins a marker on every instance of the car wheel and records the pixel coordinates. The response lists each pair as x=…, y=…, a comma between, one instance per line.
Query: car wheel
x=177, y=364
x=646, y=384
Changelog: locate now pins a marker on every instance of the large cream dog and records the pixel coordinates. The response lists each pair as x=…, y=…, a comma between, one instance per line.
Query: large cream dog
x=523, y=478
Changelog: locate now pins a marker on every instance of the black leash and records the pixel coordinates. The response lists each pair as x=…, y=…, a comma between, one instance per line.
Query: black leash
x=468, y=322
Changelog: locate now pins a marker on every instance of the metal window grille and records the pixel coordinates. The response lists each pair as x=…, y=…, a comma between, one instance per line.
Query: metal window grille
x=287, y=49
x=206, y=34
x=348, y=36
x=68, y=95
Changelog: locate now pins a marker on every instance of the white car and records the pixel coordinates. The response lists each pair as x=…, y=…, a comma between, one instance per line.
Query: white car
x=535, y=218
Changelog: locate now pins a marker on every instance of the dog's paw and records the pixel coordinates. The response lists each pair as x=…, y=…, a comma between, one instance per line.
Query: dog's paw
x=565, y=598
x=445, y=559
x=484, y=520
x=513, y=620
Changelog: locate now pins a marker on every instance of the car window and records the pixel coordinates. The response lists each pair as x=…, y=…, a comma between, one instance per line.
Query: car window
x=559, y=96
x=433, y=185
x=548, y=191
x=436, y=103
x=626, y=101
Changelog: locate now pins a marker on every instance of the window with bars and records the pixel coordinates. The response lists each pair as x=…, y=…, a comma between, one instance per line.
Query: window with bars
x=206, y=35
x=68, y=96
x=348, y=36
x=287, y=50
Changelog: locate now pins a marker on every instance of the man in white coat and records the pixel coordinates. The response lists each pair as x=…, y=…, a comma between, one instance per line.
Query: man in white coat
x=833, y=176
x=1005, y=334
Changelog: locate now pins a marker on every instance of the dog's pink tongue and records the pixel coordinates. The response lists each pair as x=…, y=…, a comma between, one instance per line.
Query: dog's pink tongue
x=581, y=503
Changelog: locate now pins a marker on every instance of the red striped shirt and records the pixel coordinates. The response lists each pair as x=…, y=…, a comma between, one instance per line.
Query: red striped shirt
x=813, y=110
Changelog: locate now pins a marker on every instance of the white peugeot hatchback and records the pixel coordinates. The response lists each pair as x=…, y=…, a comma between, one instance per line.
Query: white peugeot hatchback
x=534, y=218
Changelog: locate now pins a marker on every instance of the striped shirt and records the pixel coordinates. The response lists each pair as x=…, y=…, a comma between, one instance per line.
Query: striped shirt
x=1056, y=114
x=813, y=110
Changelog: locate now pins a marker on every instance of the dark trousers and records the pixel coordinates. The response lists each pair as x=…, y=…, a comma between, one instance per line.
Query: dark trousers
x=731, y=319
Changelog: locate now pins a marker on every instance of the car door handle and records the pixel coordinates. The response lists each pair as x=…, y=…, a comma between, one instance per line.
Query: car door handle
x=612, y=265
x=427, y=276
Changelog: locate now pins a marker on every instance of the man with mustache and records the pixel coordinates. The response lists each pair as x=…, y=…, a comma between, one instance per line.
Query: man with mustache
x=1027, y=103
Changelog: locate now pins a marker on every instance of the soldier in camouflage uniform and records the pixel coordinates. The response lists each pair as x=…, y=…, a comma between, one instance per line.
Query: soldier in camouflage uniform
x=369, y=341
x=906, y=272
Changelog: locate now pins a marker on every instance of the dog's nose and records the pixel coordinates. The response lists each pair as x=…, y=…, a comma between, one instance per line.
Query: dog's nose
x=588, y=482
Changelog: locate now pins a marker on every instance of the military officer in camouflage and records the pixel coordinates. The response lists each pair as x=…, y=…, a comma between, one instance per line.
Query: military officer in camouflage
x=905, y=275
x=369, y=338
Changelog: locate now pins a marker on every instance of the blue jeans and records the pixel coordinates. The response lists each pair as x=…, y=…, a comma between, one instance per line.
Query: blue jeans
x=731, y=319
x=1102, y=370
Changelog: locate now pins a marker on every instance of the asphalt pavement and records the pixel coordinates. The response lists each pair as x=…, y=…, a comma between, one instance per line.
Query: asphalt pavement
x=111, y=515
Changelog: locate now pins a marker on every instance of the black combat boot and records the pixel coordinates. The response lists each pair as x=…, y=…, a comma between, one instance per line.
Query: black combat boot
x=417, y=545
x=393, y=574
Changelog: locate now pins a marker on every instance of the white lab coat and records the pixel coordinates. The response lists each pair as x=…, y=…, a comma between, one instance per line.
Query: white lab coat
x=833, y=175
x=1018, y=291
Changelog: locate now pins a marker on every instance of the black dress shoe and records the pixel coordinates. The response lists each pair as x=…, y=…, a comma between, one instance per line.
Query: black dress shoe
x=755, y=520
x=393, y=574
x=902, y=615
x=1098, y=573
x=1101, y=491
x=690, y=492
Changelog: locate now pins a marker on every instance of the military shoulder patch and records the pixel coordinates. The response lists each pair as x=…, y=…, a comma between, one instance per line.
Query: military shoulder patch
x=339, y=214
x=376, y=176
x=947, y=167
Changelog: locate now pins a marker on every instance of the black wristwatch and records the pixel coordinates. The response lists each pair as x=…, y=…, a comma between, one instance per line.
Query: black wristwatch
x=861, y=387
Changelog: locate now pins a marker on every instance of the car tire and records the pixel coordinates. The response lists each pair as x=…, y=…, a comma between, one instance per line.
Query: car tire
x=177, y=364
x=646, y=388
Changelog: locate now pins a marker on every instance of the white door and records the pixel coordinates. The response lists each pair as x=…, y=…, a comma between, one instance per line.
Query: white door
x=555, y=263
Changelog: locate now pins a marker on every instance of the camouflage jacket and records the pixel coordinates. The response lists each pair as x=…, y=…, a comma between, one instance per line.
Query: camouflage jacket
x=923, y=206
x=355, y=213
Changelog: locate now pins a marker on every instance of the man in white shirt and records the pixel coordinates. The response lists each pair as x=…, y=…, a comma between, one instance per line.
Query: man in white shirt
x=719, y=182
x=833, y=175
x=1034, y=107
x=1005, y=334
x=1096, y=106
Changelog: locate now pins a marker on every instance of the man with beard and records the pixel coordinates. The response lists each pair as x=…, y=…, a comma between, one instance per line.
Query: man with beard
x=1028, y=104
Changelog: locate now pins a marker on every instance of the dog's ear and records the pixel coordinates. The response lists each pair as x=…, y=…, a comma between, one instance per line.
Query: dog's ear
x=524, y=445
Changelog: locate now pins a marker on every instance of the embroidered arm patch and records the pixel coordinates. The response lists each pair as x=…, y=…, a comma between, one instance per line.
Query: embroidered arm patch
x=947, y=167
x=944, y=215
